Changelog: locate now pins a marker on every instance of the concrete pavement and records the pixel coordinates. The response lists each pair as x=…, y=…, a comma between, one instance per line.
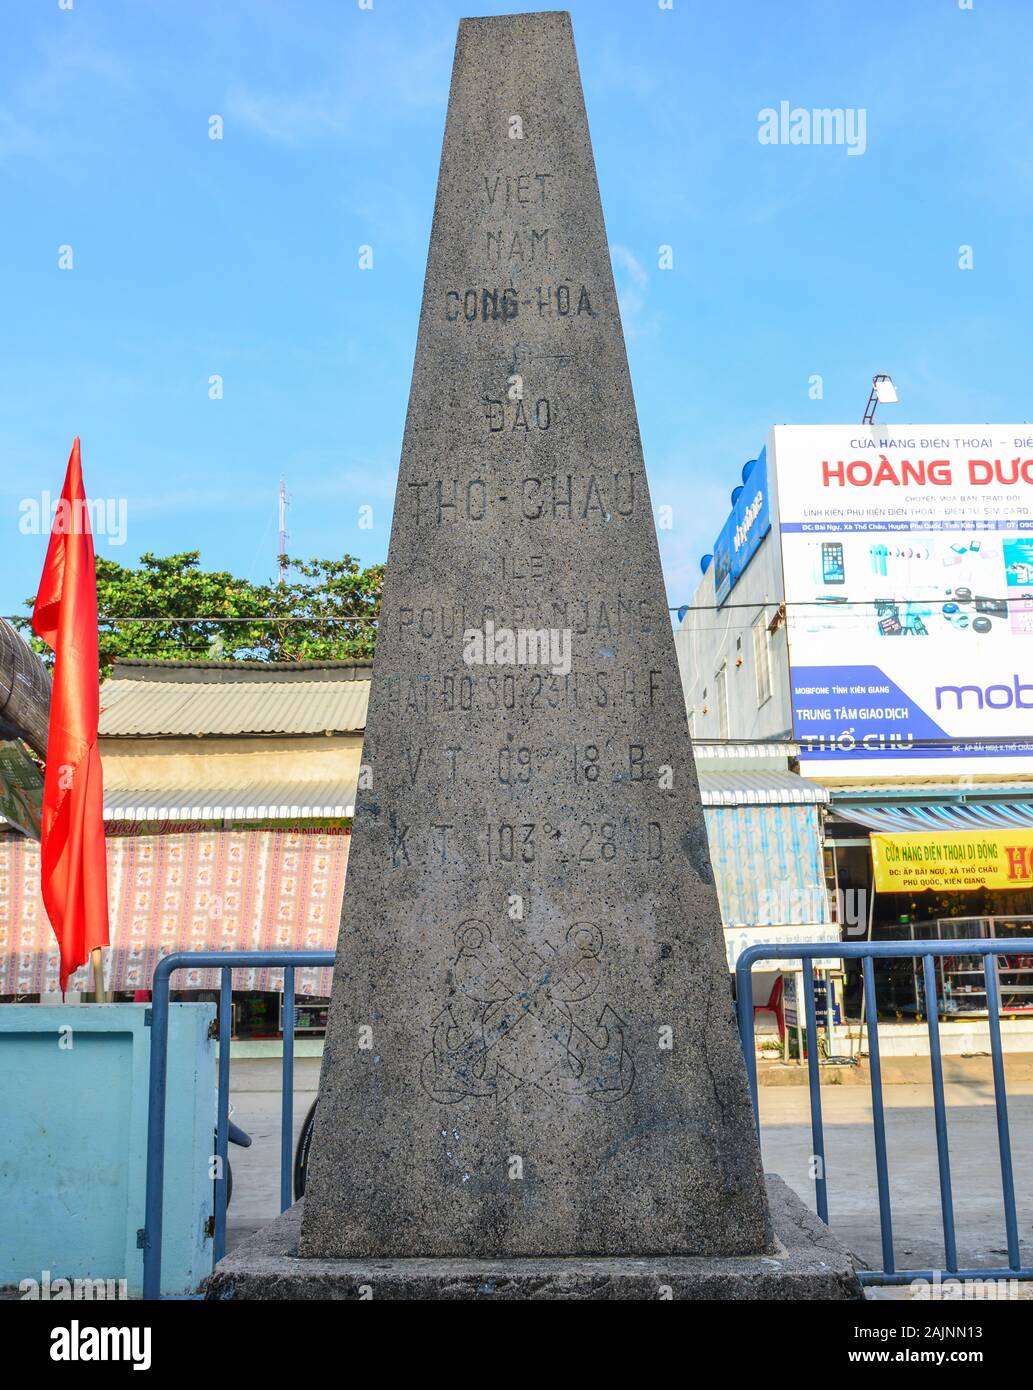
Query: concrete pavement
x=914, y=1185
x=785, y=1120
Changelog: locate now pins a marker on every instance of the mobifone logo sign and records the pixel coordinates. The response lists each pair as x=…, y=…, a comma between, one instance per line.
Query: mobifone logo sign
x=1017, y=695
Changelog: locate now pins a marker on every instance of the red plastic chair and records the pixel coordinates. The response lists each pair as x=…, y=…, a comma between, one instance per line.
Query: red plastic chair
x=774, y=1006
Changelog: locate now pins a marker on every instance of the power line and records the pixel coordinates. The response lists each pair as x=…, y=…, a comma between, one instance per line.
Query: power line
x=180, y=619
x=829, y=743
x=844, y=605
x=830, y=606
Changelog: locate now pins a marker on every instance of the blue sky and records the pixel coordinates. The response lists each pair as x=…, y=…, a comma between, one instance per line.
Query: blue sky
x=239, y=257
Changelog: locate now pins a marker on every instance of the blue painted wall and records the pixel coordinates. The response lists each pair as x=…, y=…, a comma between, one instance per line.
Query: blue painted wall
x=73, y=1135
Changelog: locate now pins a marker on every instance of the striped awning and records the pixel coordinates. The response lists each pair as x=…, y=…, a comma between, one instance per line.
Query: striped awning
x=936, y=808
x=1002, y=816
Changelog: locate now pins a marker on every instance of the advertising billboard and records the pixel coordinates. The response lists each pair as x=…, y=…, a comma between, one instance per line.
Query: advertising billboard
x=958, y=861
x=746, y=527
x=907, y=556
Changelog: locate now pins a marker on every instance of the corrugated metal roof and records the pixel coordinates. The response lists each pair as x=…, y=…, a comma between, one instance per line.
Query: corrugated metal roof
x=151, y=668
x=769, y=788
x=293, y=800
x=258, y=801
x=775, y=752
x=180, y=701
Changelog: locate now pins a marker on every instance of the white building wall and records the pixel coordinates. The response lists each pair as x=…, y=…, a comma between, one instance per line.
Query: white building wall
x=709, y=639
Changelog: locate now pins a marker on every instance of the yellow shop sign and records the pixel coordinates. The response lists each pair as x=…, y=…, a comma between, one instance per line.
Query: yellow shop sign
x=955, y=860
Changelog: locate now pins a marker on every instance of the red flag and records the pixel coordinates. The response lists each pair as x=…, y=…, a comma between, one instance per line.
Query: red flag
x=73, y=867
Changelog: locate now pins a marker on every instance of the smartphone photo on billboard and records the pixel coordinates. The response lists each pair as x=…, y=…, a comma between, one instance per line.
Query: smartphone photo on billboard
x=832, y=570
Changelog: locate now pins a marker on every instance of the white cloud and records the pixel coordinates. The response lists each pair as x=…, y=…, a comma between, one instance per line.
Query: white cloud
x=389, y=82
x=632, y=282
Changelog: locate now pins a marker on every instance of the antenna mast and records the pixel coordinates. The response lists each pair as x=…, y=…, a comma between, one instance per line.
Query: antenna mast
x=282, y=551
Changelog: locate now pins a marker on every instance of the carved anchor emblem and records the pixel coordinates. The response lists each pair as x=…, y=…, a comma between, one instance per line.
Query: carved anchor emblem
x=516, y=1022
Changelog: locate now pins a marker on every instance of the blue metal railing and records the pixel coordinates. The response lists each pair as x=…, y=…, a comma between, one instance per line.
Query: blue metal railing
x=867, y=952
x=227, y=962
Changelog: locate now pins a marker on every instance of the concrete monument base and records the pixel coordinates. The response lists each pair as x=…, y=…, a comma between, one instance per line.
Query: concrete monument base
x=806, y=1262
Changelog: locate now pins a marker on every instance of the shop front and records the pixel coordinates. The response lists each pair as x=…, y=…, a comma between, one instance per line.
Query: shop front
x=941, y=863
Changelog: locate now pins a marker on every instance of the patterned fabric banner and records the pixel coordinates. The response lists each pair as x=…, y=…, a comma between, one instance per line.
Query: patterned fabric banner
x=212, y=890
x=768, y=865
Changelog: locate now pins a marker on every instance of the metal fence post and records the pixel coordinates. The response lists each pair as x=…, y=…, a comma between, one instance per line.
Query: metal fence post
x=878, y=1113
x=993, y=1010
x=950, y=1251
x=222, y=1123
x=155, y=1188
x=744, y=1005
x=821, y=1191
x=287, y=1091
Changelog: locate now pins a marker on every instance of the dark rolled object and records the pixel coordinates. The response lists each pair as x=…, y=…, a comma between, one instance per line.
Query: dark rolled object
x=24, y=691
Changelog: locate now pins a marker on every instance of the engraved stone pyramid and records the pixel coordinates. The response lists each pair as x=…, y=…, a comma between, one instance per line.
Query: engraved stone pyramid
x=531, y=1047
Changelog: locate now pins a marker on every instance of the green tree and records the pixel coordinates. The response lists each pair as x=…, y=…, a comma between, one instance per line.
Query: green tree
x=307, y=612
x=169, y=608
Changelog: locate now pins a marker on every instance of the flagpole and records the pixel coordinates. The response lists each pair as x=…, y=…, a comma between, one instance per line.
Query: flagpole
x=97, y=956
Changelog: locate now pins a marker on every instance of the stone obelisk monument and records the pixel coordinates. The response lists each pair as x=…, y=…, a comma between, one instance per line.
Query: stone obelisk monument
x=531, y=1045
x=531, y=1050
